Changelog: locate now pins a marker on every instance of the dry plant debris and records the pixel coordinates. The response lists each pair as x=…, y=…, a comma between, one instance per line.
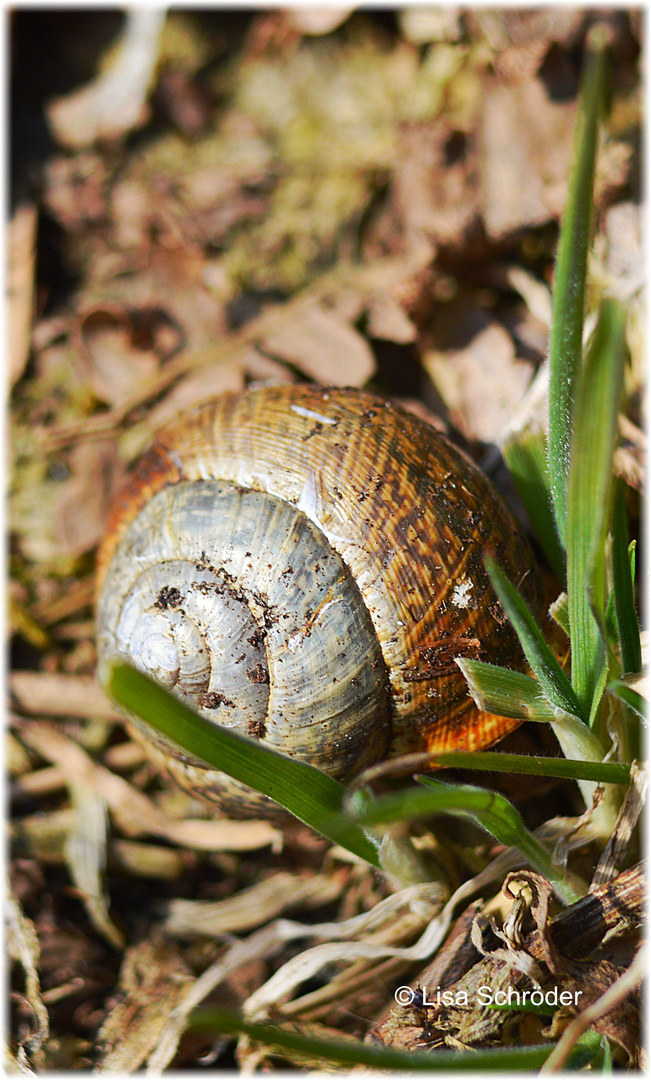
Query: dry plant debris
x=205, y=200
x=570, y=960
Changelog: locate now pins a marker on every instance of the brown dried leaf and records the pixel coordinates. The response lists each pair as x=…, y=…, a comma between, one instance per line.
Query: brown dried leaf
x=526, y=144
x=153, y=977
x=83, y=506
x=625, y=255
x=180, y=97
x=402, y=1027
x=85, y=850
x=317, y=20
x=582, y=951
x=614, y=1011
x=542, y=894
x=618, y=844
x=358, y=943
x=421, y=24
x=134, y=858
x=613, y=170
x=68, y=597
x=119, y=349
x=23, y=946
x=19, y=285
x=536, y=296
x=74, y=190
x=134, y=813
x=170, y=303
x=195, y=389
x=482, y=383
x=49, y=694
x=251, y=907
x=595, y=940
x=518, y=63
x=220, y=378
x=264, y=944
x=630, y=456
x=614, y=909
x=325, y=347
x=435, y=189
x=115, y=102
x=504, y=27
x=388, y=320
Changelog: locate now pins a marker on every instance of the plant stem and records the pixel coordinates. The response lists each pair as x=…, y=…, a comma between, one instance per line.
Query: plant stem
x=576, y=740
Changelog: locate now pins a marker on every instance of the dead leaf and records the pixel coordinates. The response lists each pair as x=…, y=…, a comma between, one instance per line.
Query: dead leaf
x=75, y=189
x=251, y=907
x=568, y=947
x=389, y=321
x=542, y=895
x=119, y=348
x=133, y=812
x=85, y=852
x=229, y=376
x=317, y=20
x=627, y=818
x=152, y=979
x=115, y=102
x=518, y=63
x=630, y=456
x=420, y=23
x=68, y=597
x=83, y=506
x=181, y=98
x=483, y=383
x=614, y=1013
x=402, y=1027
x=435, y=189
x=21, y=241
x=170, y=291
x=625, y=256
x=514, y=26
x=325, y=347
x=263, y=944
x=526, y=143
x=23, y=947
x=142, y=860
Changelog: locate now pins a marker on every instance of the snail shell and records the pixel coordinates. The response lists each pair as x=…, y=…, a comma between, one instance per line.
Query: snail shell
x=304, y=564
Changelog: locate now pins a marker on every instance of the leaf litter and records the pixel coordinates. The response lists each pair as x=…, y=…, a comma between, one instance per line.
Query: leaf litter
x=275, y=196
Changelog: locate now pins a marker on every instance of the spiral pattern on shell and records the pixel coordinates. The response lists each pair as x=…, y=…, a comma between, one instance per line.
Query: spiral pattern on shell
x=305, y=564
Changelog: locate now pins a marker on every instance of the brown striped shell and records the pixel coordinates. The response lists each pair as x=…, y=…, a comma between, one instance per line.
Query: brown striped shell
x=304, y=564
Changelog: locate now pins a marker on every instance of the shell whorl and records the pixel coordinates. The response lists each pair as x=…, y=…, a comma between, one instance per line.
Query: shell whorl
x=400, y=521
x=230, y=596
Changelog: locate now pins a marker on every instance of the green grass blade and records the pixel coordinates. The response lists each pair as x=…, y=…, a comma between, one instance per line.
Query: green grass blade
x=621, y=689
x=542, y=661
x=488, y=809
x=601, y=772
x=589, y=500
x=347, y=1053
x=305, y=791
x=525, y=453
x=569, y=278
x=559, y=613
x=510, y=693
x=627, y=624
x=606, y=1062
x=500, y=818
x=504, y=692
